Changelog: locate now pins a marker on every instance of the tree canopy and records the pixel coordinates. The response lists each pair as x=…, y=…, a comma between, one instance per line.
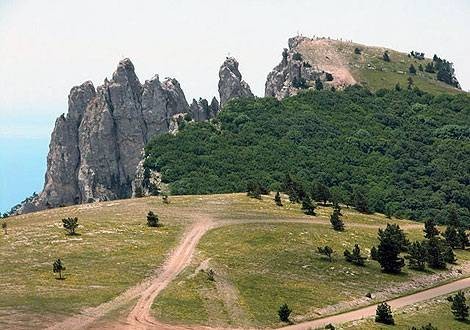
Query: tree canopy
x=403, y=151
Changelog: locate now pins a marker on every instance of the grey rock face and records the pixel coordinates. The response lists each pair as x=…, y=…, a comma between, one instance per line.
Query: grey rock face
x=61, y=186
x=201, y=110
x=160, y=101
x=292, y=74
x=95, y=150
x=231, y=84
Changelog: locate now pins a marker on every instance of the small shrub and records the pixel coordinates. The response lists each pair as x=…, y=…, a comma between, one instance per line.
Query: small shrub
x=277, y=199
x=326, y=251
x=336, y=221
x=383, y=314
x=297, y=56
x=386, y=57
x=355, y=257
x=284, y=312
x=5, y=227
x=357, y=51
x=459, y=306
x=58, y=268
x=70, y=225
x=152, y=220
x=211, y=275
x=165, y=199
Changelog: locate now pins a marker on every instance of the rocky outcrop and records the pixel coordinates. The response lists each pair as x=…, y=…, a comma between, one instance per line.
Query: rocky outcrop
x=294, y=73
x=61, y=186
x=201, y=110
x=231, y=84
x=95, y=150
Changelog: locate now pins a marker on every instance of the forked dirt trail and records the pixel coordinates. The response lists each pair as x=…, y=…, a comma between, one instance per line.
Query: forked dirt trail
x=146, y=292
x=139, y=317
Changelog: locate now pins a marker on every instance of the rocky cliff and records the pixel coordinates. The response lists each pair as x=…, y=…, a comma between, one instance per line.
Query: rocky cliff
x=294, y=73
x=96, y=150
x=231, y=84
x=96, y=147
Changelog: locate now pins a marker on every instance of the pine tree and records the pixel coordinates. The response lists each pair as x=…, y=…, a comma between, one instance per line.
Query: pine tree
x=435, y=253
x=337, y=208
x=397, y=87
x=293, y=188
x=459, y=306
x=211, y=275
x=386, y=57
x=58, y=267
x=449, y=255
x=70, y=225
x=253, y=190
x=284, y=312
x=326, y=251
x=384, y=314
x=307, y=206
x=430, y=229
x=416, y=256
x=374, y=253
x=5, y=227
x=152, y=219
x=336, y=221
x=451, y=237
x=462, y=238
x=412, y=69
x=429, y=67
x=360, y=201
x=355, y=257
x=277, y=199
x=321, y=193
x=390, y=245
x=453, y=217
x=420, y=67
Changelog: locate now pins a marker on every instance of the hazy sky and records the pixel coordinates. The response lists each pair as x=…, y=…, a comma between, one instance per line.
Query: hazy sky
x=46, y=47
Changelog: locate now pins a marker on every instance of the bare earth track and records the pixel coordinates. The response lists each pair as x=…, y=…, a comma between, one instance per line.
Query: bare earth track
x=146, y=292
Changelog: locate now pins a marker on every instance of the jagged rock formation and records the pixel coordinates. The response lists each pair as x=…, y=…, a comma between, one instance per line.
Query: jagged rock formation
x=231, y=84
x=294, y=73
x=201, y=110
x=95, y=149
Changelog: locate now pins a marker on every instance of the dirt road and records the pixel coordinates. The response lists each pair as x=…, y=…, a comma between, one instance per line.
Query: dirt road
x=147, y=291
x=139, y=317
x=394, y=303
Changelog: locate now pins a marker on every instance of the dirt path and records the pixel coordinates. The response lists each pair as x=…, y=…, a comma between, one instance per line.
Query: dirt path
x=146, y=292
x=394, y=303
x=139, y=317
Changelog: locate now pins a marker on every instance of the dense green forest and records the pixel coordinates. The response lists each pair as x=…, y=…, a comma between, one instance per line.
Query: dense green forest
x=406, y=151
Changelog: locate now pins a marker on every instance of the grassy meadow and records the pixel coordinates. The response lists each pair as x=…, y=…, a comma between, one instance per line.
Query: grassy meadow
x=435, y=311
x=114, y=249
x=259, y=266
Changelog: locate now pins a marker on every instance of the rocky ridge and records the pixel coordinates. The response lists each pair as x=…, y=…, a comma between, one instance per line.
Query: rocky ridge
x=96, y=150
x=294, y=73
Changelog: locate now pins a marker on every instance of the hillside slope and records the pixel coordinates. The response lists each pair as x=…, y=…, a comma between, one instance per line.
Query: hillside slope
x=408, y=152
x=337, y=63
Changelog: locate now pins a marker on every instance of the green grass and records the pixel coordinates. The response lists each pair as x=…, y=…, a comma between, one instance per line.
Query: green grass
x=258, y=265
x=113, y=251
x=270, y=264
x=436, y=311
x=372, y=71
